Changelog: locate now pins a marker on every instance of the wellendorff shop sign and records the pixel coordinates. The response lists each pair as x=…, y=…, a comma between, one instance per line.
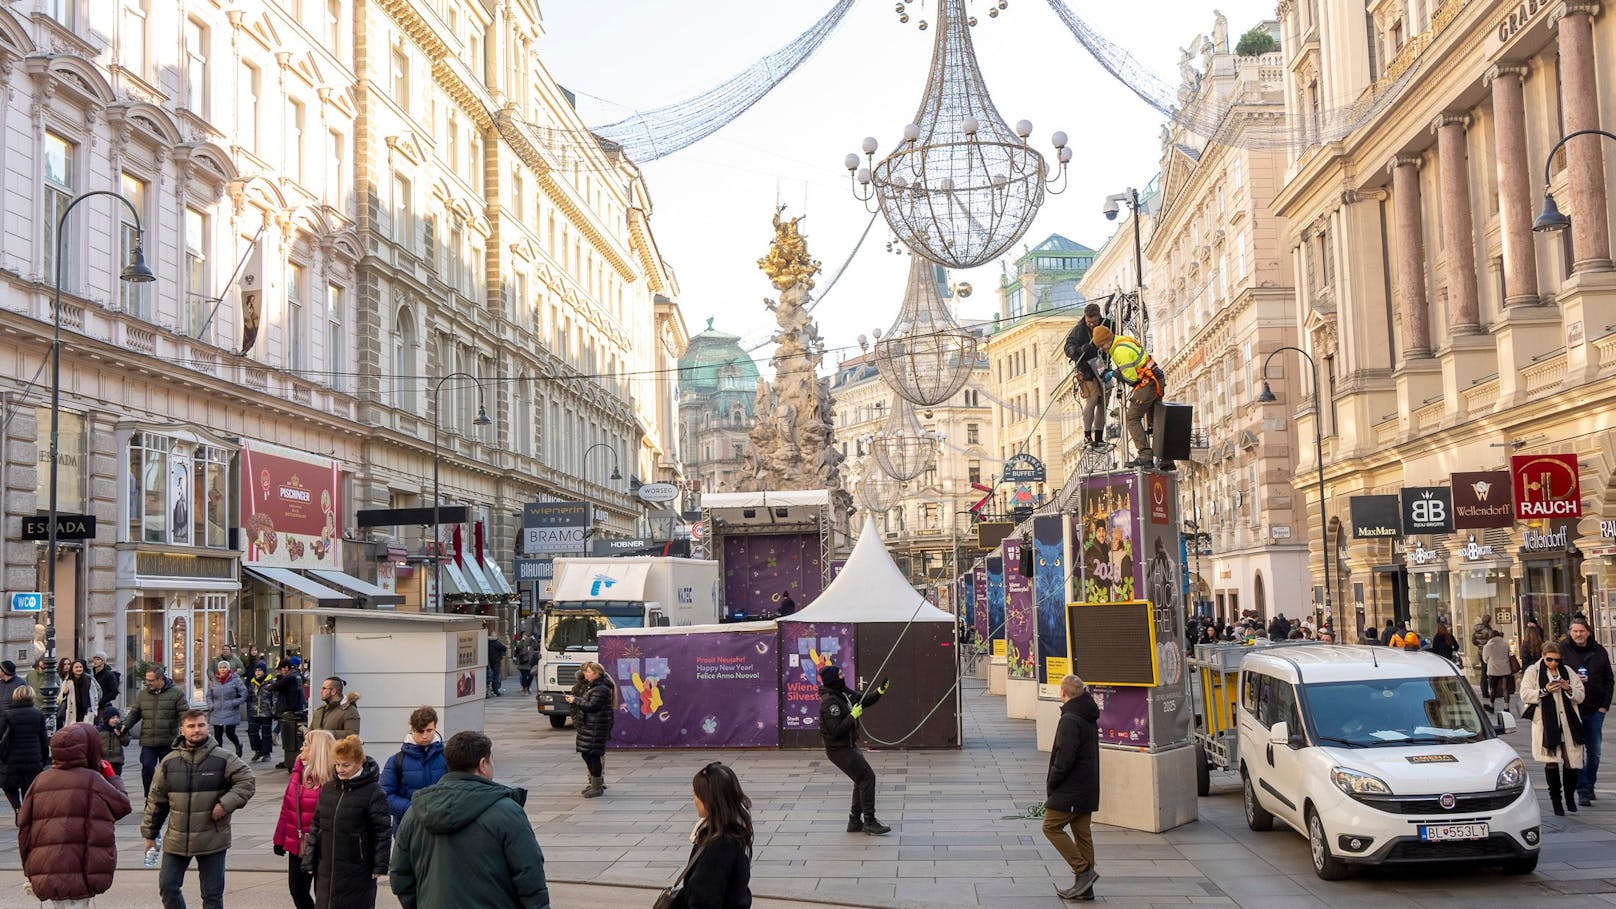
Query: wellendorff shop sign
x=1551, y=541
x=1545, y=486
x=1481, y=499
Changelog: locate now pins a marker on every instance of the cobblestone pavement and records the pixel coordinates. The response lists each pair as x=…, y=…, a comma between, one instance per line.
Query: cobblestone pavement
x=952, y=844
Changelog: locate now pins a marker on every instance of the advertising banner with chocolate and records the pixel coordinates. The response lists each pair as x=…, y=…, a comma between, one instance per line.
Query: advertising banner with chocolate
x=290, y=512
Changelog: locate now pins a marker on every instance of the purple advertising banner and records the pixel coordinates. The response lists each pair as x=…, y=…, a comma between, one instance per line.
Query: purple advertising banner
x=1124, y=715
x=979, y=612
x=1106, y=532
x=1019, y=618
x=805, y=648
x=695, y=690
x=759, y=568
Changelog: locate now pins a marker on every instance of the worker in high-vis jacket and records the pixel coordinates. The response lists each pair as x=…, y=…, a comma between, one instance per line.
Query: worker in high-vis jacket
x=1133, y=367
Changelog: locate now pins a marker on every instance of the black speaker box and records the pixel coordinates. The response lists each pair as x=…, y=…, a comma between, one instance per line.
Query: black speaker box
x=1170, y=435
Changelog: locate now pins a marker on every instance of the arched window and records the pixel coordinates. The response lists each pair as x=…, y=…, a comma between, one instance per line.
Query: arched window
x=406, y=345
x=1260, y=595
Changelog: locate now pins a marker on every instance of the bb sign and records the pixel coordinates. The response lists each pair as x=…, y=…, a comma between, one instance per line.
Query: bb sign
x=1427, y=509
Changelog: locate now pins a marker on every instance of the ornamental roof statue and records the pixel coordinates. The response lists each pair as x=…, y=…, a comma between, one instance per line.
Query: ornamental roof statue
x=788, y=263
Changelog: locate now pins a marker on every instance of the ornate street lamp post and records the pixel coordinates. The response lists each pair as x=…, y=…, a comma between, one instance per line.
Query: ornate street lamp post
x=135, y=272
x=481, y=420
x=1551, y=219
x=1267, y=397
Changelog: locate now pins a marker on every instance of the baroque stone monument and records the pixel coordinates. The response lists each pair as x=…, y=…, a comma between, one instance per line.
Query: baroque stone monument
x=794, y=440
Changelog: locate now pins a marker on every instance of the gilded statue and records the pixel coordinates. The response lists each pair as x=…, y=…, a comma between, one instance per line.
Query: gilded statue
x=788, y=263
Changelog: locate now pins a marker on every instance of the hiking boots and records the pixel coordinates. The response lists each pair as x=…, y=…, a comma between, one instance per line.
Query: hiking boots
x=855, y=824
x=1082, y=889
x=874, y=827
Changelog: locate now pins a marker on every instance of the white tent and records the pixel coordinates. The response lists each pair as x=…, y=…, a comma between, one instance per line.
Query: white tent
x=870, y=588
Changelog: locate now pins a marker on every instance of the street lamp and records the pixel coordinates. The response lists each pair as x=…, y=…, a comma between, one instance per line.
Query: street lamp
x=481, y=420
x=1267, y=397
x=136, y=272
x=1551, y=220
x=616, y=475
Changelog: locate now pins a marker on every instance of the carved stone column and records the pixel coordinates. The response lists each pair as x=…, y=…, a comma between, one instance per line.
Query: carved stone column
x=1585, y=160
x=1408, y=259
x=1514, y=184
x=1458, y=226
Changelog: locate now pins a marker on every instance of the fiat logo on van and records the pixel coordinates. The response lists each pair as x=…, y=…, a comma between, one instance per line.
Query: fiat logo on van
x=1447, y=801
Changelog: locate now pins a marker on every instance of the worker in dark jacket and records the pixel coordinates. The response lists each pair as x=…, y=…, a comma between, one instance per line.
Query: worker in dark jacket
x=1073, y=786
x=466, y=841
x=840, y=708
x=1589, y=659
x=593, y=716
x=1080, y=349
x=158, y=708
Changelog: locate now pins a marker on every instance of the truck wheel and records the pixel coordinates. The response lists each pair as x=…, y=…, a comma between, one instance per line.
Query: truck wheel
x=1203, y=773
x=558, y=722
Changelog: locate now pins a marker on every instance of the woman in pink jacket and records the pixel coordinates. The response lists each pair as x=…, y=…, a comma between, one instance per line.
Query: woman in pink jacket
x=313, y=769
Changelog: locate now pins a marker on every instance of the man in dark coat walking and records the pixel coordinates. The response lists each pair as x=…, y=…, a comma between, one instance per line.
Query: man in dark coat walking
x=840, y=708
x=1074, y=786
x=1588, y=658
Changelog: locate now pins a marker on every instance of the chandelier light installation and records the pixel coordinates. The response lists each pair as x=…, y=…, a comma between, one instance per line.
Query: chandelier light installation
x=925, y=357
x=962, y=186
x=877, y=492
x=903, y=447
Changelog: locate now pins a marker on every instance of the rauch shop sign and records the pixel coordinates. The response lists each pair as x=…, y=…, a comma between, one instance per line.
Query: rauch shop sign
x=1545, y=486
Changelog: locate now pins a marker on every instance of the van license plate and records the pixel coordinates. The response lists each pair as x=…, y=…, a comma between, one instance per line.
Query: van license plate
x=1436, y=833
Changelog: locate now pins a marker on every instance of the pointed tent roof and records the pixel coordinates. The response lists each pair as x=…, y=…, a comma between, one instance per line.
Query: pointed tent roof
x=870, y=588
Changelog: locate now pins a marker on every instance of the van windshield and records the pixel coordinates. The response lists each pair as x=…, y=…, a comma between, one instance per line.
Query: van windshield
x=1391, y=712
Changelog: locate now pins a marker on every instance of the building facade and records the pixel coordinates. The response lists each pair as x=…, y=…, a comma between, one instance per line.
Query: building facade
x=1221, y=302
x=369, y=224
x=1039, y=302
x=1450, y=336
x=718, y=384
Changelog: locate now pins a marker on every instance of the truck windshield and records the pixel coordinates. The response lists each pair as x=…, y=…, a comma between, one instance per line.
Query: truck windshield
x=1390, y=712
x=566, y=630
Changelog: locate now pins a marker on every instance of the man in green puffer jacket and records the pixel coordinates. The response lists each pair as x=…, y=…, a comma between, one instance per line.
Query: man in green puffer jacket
x=465, y=841
x=157, y=709
x=197, y=788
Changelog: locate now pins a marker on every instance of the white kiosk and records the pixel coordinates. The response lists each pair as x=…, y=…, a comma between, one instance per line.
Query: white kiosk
x=399, y=661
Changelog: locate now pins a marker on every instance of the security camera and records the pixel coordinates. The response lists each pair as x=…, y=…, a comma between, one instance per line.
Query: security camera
x=1111, y=206
x=1111, y=211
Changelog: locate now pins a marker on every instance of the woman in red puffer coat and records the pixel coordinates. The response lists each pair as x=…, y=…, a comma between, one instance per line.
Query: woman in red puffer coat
x=313, y=769
x=65, y=830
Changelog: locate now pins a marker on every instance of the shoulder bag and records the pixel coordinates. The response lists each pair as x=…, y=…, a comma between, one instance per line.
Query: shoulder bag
x=669, y=898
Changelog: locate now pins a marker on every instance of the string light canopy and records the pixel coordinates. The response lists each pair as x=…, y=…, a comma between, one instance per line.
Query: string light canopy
x=903, y=447
x=877, y=492
x=926, y=357
x=961, y=186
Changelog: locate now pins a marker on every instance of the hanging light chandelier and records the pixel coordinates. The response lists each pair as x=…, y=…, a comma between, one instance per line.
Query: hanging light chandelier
x=877, y=492
x=925, y=357
x=903, y=447
x=962, y=186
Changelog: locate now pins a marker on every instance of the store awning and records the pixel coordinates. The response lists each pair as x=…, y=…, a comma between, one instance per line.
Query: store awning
x=376, y=596
x=290, y=580
x=495, y=575
x=454, y=582
x=474, y=574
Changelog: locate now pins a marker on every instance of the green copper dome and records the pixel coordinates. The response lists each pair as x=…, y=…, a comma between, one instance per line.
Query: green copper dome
x=713, y=360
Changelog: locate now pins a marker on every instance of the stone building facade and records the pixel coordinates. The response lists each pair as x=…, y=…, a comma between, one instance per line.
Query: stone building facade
x=1450, y=335
x=718, y=385
x=398, y=193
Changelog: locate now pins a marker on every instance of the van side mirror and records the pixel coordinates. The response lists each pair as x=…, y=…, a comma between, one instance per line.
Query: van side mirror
x=1279, y=734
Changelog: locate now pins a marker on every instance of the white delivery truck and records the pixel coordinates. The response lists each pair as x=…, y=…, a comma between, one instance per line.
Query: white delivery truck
x=596, y=593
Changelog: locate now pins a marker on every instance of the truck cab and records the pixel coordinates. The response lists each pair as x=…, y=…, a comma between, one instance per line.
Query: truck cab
x=592, y=594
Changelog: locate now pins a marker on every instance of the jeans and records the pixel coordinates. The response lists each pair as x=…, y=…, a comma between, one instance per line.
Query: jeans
x=261, y=736
x=527, y=678
x=851, y=762
x=1593, y=725
x=493, y=679
x=1077, y=848
x=150, y=757
x=299, y=883
x=209, y=873
x=1141, y=405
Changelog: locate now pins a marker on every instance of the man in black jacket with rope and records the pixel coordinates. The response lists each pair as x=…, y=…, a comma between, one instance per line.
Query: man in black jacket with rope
x=840, y=708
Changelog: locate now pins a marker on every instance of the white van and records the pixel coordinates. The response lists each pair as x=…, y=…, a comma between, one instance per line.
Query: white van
x=1379, y=756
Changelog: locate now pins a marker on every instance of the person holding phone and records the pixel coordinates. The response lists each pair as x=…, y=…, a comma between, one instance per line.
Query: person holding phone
x=1553, y=691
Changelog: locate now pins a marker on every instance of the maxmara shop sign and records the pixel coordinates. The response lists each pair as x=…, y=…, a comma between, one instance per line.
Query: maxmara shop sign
x=1545, y=486
x=1375, y=516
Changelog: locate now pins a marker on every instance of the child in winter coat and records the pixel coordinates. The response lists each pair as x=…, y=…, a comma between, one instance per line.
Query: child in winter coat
x=260, y=714
x=113, y=739
x=352, y=838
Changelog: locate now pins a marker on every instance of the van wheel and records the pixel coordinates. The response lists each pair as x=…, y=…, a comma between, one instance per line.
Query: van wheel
x=558, y=722
x=1521, y=866
x=1257, y=817
x=1203, y=773
x=1325, y=865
